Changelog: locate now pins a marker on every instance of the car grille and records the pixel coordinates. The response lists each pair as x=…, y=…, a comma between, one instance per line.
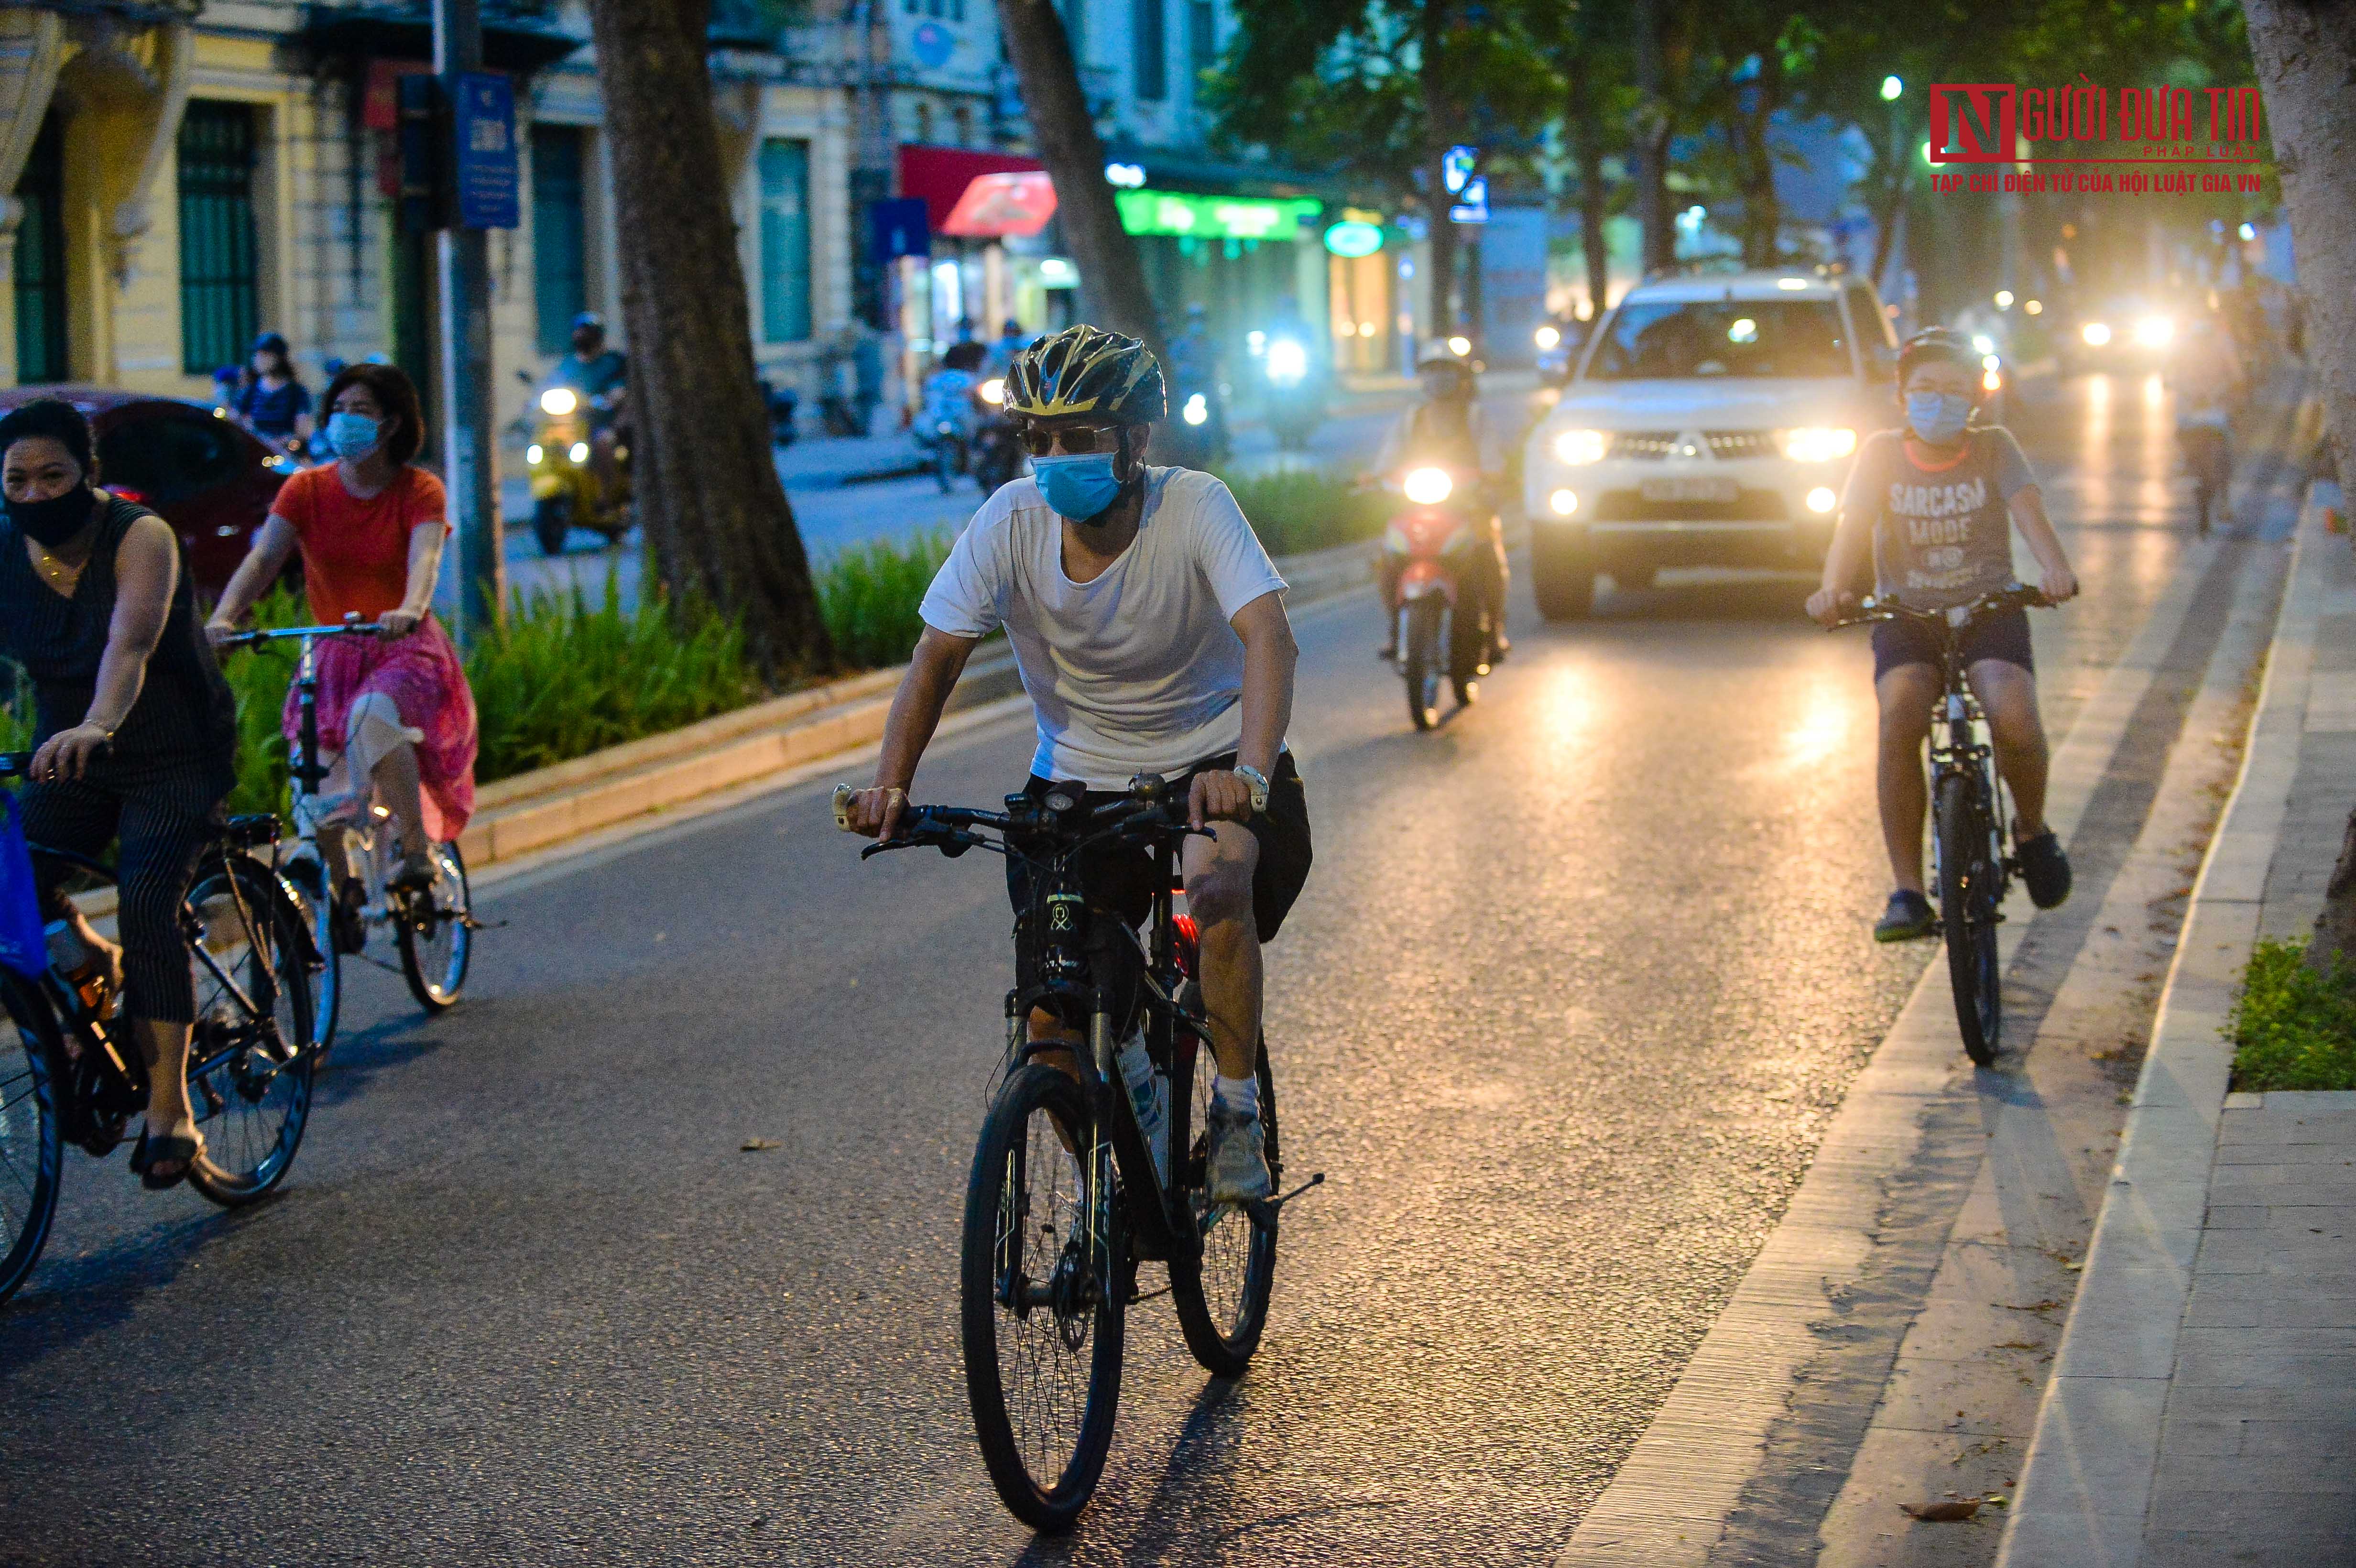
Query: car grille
x=1740, y=442
x=1642, y=443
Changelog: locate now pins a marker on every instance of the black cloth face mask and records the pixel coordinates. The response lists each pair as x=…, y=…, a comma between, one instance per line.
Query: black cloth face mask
x=52, y=522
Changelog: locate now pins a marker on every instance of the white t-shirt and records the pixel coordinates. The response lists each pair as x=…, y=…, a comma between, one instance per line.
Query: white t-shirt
x=1135, y=672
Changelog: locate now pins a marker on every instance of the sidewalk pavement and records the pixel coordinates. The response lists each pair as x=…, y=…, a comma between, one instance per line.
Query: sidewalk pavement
x=2203, y=1404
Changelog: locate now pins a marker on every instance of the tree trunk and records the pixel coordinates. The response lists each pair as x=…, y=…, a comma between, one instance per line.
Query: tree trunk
x=1650, y=138
x=715, y=516
x=1762, y=212
x=1439, y=131
x=1586, y=153
x=2306, y=55
x=1112, y=277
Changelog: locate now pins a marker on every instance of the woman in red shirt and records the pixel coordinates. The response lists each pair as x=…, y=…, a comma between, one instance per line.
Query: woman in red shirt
x=370, y=526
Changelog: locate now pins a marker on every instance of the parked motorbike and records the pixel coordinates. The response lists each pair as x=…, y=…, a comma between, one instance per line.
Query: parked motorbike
x=996, y=450
x=567, y=490
x=1442, y=621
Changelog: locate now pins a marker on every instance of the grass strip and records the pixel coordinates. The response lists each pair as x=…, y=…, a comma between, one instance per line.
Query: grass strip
x=2292, y=1028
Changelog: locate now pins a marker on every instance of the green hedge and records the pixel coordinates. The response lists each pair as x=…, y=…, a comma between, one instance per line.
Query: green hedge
x=2292, y=1028
x=1301, y=509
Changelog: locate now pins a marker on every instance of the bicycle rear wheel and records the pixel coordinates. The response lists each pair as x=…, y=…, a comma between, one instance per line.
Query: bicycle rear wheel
x=437, y=934
x=1043, y=1290
x=248, y=1069
x=1968, y=890
x=1222, y=1299
x=32, y=1140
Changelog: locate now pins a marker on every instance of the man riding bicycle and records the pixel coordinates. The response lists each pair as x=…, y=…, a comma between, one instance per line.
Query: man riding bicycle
x=1149, y=626
x=1928, y=507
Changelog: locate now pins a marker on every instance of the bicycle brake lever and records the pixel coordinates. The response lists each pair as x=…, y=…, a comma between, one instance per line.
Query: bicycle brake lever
x=874, y=850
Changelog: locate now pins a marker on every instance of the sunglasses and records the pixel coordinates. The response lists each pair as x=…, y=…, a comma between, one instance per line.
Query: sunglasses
x=1078, y=441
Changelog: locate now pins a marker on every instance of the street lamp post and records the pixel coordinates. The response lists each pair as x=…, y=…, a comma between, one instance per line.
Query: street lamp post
x=468, y=455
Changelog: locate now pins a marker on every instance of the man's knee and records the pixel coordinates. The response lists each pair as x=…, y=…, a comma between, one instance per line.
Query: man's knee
x=1219, y=882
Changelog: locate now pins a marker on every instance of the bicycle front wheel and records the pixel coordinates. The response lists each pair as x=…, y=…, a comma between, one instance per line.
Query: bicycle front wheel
x=436, y=933
x=317, y=903
x=1043, y=1290
x=251, y=1055
x=32, y=1141
x=1222, y=1297
x=1968, y=890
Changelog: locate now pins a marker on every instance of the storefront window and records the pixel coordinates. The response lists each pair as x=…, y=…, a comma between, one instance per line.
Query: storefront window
x=784, y=242
x=559, y=238
x=40, y=269
x=1149, y=36
x=220, y=280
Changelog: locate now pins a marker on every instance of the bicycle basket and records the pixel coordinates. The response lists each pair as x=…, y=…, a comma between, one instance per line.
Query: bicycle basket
x=23, y=948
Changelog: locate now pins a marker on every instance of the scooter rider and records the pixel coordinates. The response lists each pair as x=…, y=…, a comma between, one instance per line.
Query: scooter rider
x=601, y=375
x=1149, y=626
x=1449, y=428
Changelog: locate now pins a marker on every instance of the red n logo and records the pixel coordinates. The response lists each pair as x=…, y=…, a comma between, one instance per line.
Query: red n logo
x=1972, y=122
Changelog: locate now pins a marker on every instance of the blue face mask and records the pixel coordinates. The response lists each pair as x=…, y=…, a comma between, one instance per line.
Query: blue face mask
x=1937, y=418
x=353, y=436
x=1078, y=488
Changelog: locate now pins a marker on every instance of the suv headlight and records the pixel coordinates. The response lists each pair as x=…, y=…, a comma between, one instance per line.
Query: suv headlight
x=1819, y=443
x=1578, y=446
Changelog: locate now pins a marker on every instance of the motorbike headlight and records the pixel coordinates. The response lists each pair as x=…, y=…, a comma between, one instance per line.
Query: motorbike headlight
x=1287, y=360
x=1428, y=487
x=993, y=391
x=1815, y=443
x=1460, y=347
x=532, y=455
x=559, y=401
x=579, y=451
x=1547, y=336
x=1196, y=409
x=2095, y=334
x=2154, y=331
x=1580, y=446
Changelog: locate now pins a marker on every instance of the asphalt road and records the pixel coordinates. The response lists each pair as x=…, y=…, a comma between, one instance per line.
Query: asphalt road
x=1575, y=987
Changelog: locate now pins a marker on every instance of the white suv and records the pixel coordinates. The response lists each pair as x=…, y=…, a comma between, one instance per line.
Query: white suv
x=1712, y=422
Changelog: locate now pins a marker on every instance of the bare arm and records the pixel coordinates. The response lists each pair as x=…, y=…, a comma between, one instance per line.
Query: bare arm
x=2059, y=583
x=917, y=710
x=1270, y=657
x=273, y=543
x=146, y=568
x=425, y=571
x=1847, y=562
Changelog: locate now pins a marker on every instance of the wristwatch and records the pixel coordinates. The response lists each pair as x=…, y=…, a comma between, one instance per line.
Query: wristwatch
x=1259, y=782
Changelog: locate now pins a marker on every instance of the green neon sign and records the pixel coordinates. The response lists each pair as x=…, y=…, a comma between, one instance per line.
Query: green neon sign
x=1351, y=238
x=1212, y=217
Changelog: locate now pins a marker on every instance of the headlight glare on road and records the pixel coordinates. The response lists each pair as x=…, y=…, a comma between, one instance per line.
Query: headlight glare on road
x=2095, y=334
x=1581, y=446
x=1812, y=444
x=1564, y=502
x=1428, y=487
x=579, y=453
x=2154, y=332
x=1547, y=336
x=1822, y=499
x=559, y=401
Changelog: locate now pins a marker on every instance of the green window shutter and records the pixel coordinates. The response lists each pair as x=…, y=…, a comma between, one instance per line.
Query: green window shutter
x=784, y=242
x=40, y=267
x=219, y=261
x=560, y=276
x=1150, y=34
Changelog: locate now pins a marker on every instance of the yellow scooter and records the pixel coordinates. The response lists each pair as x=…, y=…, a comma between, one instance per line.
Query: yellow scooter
x=570, y=488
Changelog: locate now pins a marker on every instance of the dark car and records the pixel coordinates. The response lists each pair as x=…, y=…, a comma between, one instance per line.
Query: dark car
x=196, y=469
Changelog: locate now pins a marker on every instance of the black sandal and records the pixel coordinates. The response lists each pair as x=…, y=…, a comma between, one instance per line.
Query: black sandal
x=153, y=1151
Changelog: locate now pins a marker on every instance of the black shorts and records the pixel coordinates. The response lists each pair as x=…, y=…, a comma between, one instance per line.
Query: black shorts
x=1119, y=878
x=2003, y=635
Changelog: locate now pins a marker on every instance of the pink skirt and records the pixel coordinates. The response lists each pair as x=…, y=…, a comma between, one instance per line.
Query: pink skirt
x=421, y=674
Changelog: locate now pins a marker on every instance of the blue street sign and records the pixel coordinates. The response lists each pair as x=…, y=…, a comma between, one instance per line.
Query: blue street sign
x=897, y=227
x=484, y=136
x=1473, y=207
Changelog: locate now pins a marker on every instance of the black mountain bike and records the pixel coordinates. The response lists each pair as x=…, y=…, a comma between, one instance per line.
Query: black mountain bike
x=1970, y=870
x=79, y=1078
x=1067, y=1197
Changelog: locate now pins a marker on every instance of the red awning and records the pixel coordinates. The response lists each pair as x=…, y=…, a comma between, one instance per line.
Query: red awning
x=1003, y=203
x=941, y=175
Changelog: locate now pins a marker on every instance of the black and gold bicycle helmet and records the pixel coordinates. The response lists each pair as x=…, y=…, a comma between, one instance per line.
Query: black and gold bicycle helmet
x=1085, y=375
x=1936, y=343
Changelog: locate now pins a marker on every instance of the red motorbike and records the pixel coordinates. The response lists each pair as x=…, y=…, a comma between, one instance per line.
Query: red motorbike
x=1442, y=616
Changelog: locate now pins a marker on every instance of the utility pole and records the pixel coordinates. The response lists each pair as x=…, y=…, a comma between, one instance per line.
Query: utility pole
x=468, y=454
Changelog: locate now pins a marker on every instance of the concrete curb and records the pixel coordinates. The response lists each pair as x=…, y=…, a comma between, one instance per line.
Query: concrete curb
x=2087, y=1485
x=540, y=810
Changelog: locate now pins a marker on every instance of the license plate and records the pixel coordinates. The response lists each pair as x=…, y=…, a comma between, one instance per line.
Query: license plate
x=1720, y=490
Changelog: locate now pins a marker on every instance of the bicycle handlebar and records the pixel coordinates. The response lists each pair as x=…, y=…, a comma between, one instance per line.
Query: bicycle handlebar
x=276, y=634
x=2017, y=596
x=949, y=828
x=15, y=765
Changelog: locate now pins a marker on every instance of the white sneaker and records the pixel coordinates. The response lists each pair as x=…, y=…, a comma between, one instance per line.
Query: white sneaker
x=1239, y=1156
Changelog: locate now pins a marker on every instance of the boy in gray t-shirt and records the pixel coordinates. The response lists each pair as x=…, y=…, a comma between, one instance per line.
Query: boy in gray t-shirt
x=1933, y=507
